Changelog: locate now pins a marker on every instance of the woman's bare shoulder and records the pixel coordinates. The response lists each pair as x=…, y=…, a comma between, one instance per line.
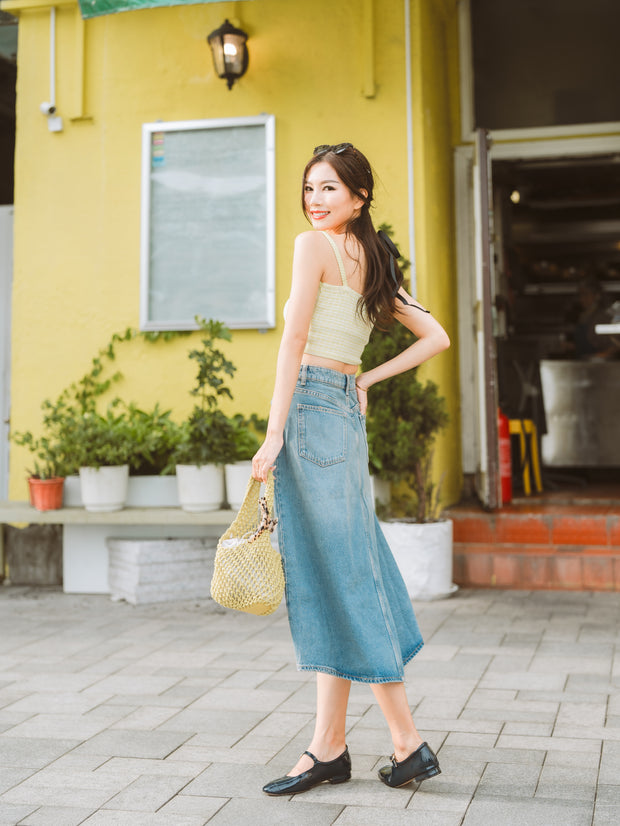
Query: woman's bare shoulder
x=310, y=240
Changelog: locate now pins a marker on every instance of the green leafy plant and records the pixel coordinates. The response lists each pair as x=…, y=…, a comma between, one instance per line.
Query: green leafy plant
x=208, y=436
x=49, y=462
x=73, y=417
x=248, y=435
x=155, y=437
x=102, y=440
x=404, y=418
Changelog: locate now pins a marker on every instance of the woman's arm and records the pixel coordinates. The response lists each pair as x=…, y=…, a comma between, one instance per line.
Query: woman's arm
x=431, y=339
x=308, y=265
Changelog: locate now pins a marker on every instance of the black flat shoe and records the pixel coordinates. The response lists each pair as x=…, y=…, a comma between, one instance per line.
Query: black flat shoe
x=421, y=764
x=334, y=771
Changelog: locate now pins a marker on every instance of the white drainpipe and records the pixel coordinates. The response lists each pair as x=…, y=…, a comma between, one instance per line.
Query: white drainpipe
x=409, y=107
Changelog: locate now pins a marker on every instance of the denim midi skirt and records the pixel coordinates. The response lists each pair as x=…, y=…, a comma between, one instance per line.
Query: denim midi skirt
x=348, y=607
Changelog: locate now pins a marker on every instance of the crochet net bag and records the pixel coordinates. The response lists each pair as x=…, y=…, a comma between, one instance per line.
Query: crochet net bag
x=247, y=573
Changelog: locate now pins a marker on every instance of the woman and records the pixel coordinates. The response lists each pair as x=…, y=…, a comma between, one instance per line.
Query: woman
x=349, y=612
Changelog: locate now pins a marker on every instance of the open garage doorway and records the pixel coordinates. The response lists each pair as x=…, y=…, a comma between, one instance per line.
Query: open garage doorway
x=554, y=296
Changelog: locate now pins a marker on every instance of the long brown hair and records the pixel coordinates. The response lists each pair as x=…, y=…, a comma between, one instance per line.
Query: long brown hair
x=353, y=169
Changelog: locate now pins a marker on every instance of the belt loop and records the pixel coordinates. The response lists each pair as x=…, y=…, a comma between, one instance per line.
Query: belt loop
x=302, y=374
x=350, y=381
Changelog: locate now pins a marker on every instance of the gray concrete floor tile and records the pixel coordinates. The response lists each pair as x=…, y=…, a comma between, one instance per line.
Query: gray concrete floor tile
x=50, y=726
x=510, y=713
x=229, y=724
x=146, y=718
x=509, y=741
x=10, y=777
x=456, y=779
x=10, y=815
x=360, y=791
x=431, y=797
x=549, y=680
x=132, y=768
x=491, y=811
x=109, y=817
x=56, y=816
x=61, y=703
x=509, y=780
x=30, y=752
x=275, y=812
x=496, y=755
x=591, y=683
x=567, y=784
x=609, y=773
x=607, y=809
x=470, y=740
x=529, y=729
x=493, y=698
x=557, y=697
x=611, y=733
x=511, y=689
x=186, y=804
x=148, y=793
x=226, y=780
x=367, y=816
x=134, y=743
x=235, y=698
x=574, y=759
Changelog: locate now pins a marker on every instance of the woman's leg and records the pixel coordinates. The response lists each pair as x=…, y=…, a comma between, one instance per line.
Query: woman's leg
x=328, y=741
x=392, y=700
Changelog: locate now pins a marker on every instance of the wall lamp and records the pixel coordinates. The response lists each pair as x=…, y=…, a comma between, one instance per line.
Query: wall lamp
x=230, y=53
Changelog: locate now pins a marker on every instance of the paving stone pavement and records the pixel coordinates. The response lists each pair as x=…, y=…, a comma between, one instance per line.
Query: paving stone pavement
x=176, y=714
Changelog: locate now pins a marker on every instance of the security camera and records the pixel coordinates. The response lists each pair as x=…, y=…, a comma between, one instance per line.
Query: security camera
x=47, y=108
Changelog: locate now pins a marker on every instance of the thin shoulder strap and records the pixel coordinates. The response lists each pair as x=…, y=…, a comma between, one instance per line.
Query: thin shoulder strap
x=334, y=246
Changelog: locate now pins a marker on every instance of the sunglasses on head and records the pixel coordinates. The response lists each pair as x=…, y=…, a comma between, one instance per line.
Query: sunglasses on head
x=336, y=148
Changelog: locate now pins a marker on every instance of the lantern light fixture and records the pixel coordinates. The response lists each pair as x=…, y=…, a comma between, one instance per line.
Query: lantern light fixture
x=230, y=52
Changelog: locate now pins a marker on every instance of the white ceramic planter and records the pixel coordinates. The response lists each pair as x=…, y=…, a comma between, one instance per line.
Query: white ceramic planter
x=237, y=476
x=142, y=492
x=381, y=491
x=152, y=492
x=201, y=488
x=104, y=489
x=423, y=552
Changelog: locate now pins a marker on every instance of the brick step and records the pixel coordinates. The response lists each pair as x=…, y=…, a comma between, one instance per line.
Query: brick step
x=539, y=525
x=537, y=566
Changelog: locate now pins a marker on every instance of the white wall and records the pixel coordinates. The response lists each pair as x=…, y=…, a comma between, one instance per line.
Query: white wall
x=6, y=278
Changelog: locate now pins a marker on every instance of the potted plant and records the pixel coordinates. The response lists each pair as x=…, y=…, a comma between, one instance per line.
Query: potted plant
x=46, y=478
x=247, y=435
x=155, y=437
x=103, y=447
x=208, y=436
x=404, y=418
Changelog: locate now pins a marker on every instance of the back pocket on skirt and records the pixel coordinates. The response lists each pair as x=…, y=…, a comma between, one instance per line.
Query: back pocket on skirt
x=322, y=434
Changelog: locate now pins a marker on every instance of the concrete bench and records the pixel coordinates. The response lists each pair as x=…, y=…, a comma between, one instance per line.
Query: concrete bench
x=85, y=535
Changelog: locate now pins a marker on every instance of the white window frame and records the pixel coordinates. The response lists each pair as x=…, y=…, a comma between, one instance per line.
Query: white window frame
x=148, y=129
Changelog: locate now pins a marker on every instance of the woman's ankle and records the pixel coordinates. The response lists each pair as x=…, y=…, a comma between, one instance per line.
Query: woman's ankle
x=406, y=746
x=327, y=749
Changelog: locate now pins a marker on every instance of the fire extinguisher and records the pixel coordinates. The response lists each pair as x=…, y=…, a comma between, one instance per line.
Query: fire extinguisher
x=505, y=457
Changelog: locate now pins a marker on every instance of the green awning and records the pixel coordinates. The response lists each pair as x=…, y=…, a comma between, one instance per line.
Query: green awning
x=97, y=8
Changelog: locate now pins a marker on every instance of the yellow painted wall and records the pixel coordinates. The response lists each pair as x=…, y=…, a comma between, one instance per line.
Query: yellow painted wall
x=435, y=122
x=77, y=218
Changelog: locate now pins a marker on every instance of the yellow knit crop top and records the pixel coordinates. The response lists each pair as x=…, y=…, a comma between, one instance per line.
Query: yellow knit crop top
x=338, y=330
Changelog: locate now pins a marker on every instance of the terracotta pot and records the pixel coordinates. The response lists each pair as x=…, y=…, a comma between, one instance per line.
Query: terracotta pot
x=46, y=494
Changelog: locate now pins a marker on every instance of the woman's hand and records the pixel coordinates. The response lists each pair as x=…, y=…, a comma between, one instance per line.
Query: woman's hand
x=362, y=394
x=265, y=458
